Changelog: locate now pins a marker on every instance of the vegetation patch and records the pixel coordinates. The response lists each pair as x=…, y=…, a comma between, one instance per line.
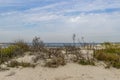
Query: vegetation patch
x=22, y=45
x=110, y=55
x=17, y=64
x=8, y=53
x=55, y=62
x=86, y=62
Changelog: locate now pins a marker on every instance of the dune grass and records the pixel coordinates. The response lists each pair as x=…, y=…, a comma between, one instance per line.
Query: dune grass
x=110, y=55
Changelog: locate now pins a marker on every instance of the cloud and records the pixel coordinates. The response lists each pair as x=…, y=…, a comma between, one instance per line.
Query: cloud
x=97, y=20
x=59, y=6
x=95, y=27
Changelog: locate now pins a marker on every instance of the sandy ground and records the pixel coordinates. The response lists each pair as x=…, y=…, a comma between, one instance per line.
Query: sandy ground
x=71, y=71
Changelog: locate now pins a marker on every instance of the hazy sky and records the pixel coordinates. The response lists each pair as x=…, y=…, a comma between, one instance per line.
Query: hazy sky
x=57, y=20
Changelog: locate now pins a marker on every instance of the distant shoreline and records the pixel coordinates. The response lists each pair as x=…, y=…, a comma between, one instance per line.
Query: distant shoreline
x=54, y=44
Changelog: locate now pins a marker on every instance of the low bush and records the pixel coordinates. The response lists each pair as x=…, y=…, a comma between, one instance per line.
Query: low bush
x=86, y=62
x=4, y=69
x=9, y=52
x=17, y=64
x=111, y=59
x=107, y=56
x=55, y=62
x=13, y=64
x=51, y=63
x=22, y=45
x=116, y=65
x=37, y=44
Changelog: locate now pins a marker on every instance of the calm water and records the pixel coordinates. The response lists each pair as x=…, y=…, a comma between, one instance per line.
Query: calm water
x=67, y=44
x=57, y=44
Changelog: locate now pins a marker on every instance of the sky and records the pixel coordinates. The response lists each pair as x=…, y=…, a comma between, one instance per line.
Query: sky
x=58, y=20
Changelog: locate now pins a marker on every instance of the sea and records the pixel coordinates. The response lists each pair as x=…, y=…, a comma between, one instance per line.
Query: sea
x=68, y=44
x=4, y=45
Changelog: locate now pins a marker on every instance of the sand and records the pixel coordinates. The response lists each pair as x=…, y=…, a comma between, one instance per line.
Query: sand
x=71, y=71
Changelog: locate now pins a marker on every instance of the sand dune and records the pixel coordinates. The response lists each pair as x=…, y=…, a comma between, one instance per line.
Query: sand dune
x=71, y=71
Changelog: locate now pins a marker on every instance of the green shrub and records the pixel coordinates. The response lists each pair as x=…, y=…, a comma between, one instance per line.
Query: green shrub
x=8, y=53
x=109, y=57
